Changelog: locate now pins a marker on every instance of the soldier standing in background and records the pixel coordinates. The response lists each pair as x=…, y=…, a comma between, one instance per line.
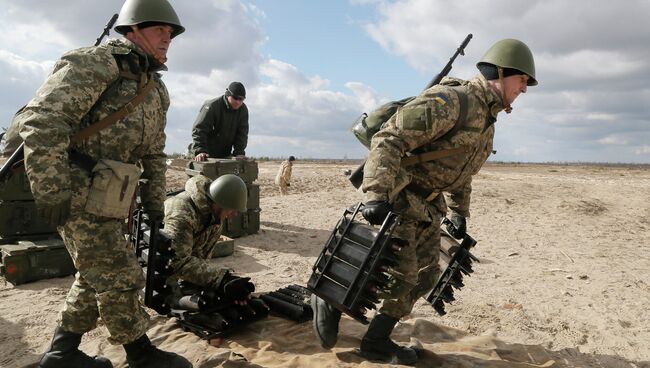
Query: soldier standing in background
x=283, y=178
x=84, y=191
x=194, y=221
x=221, y=129
x=429, y=124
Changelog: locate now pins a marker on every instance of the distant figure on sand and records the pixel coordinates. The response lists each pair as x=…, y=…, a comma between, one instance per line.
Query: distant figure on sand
x=283, y=179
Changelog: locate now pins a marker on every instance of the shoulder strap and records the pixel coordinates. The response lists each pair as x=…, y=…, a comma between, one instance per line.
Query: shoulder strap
x=114, y=117
x=434, y=155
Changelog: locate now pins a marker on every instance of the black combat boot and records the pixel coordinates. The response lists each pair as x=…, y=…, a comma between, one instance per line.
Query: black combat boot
x=325, y=322
x=141, y=353
x=377, y=345
x=64, y=352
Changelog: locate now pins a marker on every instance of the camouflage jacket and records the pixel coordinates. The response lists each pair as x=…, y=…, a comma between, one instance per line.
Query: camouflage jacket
x=219, y=130
x=85, y=86
x=284, y=173
x=420, y=126
x=194, y=232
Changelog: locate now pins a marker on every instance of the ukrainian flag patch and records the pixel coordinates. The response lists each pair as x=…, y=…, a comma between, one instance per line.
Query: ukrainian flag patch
x=441, y=99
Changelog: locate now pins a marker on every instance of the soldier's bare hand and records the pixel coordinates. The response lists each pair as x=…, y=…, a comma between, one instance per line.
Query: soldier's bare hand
x=201, y=157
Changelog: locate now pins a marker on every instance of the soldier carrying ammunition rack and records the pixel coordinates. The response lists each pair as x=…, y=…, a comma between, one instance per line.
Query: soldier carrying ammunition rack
x=456, y=117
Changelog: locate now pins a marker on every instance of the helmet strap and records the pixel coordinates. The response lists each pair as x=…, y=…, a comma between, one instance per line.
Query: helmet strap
x=147, y=46
x=506, y=106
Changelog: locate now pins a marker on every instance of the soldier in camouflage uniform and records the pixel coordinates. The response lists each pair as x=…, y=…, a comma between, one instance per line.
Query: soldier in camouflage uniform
x=283, y=177
x=423, y=125
x=193, y=221
x=86, y=85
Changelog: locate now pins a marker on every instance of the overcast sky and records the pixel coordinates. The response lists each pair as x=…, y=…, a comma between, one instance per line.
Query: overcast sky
x=311, y=67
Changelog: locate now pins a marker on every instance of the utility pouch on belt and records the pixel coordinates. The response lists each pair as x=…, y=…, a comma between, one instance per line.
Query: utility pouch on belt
x=112, y=189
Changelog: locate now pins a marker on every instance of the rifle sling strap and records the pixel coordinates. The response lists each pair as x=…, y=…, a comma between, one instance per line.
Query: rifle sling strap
x=115, y=116
x=434, y=155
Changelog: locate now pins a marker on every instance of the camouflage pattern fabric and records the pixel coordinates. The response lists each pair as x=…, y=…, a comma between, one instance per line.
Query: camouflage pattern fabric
x=84, y=87
x=419, y=126
x=107, y=282
x=195, y=232
x=418, y=266
x=283, y=177
x=76, y=95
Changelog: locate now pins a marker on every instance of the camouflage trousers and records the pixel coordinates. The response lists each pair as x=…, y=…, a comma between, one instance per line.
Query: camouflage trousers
x=418, y=268
x=107, y=282
x=282, y=186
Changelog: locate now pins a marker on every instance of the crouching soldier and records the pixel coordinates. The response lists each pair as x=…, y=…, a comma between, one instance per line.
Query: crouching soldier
x=194, y=222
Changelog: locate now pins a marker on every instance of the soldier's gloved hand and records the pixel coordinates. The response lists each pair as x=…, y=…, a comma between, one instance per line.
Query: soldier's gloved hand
x=236, y=288
x=459, y=228
x=55, y=213
x=375, y=212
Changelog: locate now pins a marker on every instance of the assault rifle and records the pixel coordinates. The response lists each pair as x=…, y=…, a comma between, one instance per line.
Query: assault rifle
x=459, y=262
x=356, y=177
x=15, y=161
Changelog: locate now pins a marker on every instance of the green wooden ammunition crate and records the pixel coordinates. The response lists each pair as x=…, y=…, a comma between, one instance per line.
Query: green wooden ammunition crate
x=243, y=224
x=19, y=218
x=16, y=188
x=248, y=170
x=253, y=221
x=213, y=168
x=253, y=201
x=27, y=261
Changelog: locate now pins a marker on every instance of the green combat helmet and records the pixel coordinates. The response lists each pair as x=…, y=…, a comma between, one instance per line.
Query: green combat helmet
x=142, y=11
x=229, y=192
x=513, y=54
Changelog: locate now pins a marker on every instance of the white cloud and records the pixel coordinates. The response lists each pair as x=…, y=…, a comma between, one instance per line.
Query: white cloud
x=613, y=140
x=644, y=150
x=594, y=73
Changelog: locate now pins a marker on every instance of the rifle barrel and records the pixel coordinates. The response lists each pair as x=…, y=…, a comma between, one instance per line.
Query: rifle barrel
x=459, y=51
x=107, y=29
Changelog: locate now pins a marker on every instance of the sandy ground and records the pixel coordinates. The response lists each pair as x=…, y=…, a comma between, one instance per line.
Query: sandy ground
x=563, y=279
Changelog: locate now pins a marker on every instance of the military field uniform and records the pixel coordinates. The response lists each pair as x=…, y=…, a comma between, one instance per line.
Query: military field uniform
x=219, y=130
x=195, y=233
x=86, y=85
x=283, y=178
x=418, y=127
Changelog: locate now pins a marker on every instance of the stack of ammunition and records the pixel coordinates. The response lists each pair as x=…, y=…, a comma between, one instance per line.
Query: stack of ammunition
x=291, y=302
x=209, y=314
x=456, y=261
x=156, y=255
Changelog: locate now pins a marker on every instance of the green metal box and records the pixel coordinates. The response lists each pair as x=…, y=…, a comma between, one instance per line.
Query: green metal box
x=253, y=201
x=213, y=168
x=27, y=261
x=243, y=224
x=19, y=218
x=16, y=188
